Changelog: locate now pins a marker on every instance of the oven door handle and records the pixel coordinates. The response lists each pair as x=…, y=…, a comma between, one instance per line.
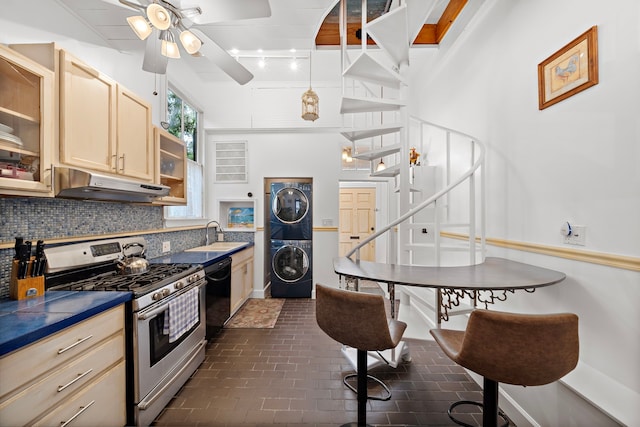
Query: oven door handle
x=154, y=312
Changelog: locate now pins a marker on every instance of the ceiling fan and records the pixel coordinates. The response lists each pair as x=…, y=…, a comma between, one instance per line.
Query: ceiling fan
x=161, y=19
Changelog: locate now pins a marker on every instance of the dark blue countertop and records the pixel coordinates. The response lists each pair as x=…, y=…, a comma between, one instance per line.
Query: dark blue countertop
x=197, y=257
x=26, y=321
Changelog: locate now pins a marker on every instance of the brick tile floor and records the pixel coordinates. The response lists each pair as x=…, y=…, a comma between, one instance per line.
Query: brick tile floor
x=291, y=375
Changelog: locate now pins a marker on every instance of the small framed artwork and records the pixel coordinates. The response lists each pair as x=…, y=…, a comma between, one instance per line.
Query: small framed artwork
x=570, y=70
x=240, y=218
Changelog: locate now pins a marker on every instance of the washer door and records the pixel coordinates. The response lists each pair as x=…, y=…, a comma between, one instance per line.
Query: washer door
x=290, y=263
x=290, y=205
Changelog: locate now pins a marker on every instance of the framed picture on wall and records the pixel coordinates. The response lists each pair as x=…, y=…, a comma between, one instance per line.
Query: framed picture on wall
x=570, y=70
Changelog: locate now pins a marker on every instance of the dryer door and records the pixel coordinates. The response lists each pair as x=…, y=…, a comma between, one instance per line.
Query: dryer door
x=290, y=263
x=289, y=205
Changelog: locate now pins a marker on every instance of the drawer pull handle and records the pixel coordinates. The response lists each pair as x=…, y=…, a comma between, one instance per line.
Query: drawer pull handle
x=82, y=375
x=80, y=341
x=77, y=414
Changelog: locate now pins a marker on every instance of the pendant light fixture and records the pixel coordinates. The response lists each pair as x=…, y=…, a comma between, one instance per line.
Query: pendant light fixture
x=310, y=101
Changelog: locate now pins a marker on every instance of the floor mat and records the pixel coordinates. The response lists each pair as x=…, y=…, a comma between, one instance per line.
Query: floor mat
x=257, y=313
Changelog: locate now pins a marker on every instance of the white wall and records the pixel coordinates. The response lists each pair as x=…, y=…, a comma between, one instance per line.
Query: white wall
x=575, y=161
x=288, y=154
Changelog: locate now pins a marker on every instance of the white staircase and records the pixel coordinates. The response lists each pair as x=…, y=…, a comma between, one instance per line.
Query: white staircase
x=431, y=227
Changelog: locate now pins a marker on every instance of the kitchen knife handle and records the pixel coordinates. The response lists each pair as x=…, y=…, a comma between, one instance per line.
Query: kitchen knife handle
x=19, y=242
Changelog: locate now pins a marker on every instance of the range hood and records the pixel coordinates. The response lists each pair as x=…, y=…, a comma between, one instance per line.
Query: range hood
x=80, y=184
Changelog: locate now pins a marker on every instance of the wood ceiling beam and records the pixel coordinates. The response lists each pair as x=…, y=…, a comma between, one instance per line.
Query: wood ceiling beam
x=449, y=15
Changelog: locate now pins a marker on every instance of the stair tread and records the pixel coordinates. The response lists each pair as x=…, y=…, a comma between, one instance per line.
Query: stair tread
x=356, y=134
x=389, y=172
x=390, y=32
x=378, y=152
x=411, y=190
x=368, y=69
x=363, y=105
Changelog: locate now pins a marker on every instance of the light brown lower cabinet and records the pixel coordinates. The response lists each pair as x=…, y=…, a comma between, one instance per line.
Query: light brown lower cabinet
x=75, y=377
x=241, y=278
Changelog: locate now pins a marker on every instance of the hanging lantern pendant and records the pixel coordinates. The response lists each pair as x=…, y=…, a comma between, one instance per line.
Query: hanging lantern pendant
x=310, y=103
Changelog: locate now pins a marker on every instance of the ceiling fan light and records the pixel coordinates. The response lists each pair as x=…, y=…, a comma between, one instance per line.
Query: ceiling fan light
x=190, y=42
x=140, y=26
x=159, y=16
x=169, y=47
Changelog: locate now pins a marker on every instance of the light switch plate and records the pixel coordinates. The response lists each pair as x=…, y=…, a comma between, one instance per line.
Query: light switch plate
x=166, y=247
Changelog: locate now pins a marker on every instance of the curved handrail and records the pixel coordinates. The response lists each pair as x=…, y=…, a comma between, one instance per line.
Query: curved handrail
x=432, y=199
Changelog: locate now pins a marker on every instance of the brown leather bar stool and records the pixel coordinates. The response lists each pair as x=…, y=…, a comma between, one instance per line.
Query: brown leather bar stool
x=520, y=349
x=358, y=320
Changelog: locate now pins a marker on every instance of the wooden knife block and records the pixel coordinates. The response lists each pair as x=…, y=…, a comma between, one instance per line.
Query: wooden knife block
x=28, y=287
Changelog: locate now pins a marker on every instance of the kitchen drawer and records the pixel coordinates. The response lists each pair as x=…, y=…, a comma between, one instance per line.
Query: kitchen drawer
x=23, y=367
x=240, y=257
x=62, y=383
x=108, y=407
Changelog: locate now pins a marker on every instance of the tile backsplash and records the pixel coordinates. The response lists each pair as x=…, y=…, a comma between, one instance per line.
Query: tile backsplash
x=40, y=218
x=35, y=218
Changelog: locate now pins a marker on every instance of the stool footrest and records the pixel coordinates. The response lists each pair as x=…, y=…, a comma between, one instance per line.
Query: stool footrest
x=471, y=402
x=371, y=377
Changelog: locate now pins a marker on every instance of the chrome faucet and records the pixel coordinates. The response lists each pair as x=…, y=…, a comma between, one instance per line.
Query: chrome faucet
x=215, y=238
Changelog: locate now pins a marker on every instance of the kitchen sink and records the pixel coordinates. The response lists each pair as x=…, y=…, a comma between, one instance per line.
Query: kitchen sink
x=217, y=247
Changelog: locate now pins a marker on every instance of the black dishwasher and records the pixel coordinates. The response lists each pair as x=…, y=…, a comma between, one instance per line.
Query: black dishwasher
x=218, y=299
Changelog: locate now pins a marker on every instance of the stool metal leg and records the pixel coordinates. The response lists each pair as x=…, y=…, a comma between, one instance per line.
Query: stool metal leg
x=490, y=403
x=362, y=388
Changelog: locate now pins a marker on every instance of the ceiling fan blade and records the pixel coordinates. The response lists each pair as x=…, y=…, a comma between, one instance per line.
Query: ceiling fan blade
x=136, y=5
x=222, y=59
x=227, y=10
x=154, y=61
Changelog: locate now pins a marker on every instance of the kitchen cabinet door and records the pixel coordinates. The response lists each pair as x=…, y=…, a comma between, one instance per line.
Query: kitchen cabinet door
x=171, y=167
x=26, y=125
x=134, y=137
x=87, y=116
x=241, y=278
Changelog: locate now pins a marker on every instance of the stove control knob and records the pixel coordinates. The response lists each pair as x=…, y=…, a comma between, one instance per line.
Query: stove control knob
x=179, y=285
x=165, y=292
x=156, y=296
x=192, y=278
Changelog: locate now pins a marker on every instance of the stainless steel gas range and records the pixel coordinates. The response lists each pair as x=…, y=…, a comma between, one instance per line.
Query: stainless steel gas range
x=165, y=319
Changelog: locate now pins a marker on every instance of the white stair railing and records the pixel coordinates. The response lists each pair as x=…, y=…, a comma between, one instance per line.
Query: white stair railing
x=476, y=227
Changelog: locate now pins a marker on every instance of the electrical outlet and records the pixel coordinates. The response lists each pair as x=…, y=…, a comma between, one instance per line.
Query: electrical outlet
x=578, y=235
x=166, y=247
x=220, y=237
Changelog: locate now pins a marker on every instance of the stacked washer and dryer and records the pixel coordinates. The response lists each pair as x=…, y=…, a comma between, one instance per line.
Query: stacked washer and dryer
x=291, y=231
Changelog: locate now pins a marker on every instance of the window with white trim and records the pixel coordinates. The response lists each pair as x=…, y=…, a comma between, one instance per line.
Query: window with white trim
x=183, y=121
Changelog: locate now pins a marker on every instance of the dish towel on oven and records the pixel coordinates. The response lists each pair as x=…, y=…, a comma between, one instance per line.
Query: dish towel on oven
x=182, y=314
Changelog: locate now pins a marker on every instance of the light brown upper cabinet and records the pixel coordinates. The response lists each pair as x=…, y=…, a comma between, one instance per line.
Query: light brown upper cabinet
x=101, y=126
x=26, y=125
x=171, y=167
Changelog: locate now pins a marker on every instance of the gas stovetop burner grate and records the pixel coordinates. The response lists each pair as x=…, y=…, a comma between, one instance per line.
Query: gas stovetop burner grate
x=157, y=276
